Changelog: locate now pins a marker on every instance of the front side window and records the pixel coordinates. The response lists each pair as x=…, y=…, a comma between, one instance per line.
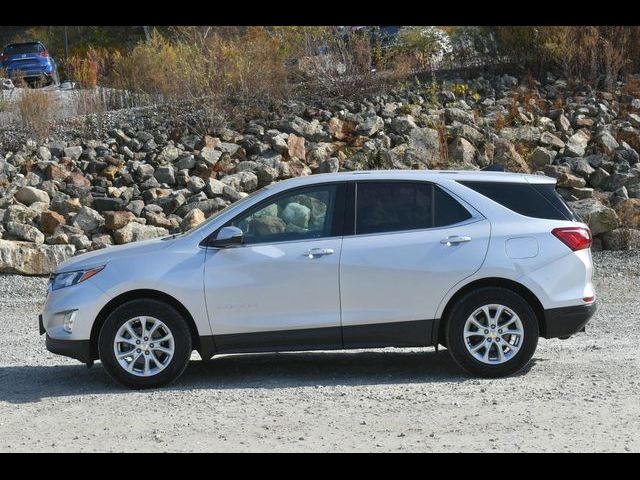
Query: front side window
x=400, y=206
x=299, y=215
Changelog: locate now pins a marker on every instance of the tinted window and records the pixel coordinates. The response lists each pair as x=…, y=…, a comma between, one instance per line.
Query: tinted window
x=538, y=201
x=392, y=206
x=297, y=215
x=548, y=191
x=397, y=206
x=23, y=48
x=448, y=210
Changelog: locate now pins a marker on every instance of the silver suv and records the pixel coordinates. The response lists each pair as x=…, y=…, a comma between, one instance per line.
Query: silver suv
x=483, y=263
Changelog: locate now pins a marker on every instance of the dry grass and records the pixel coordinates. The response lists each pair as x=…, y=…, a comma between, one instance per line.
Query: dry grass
x=236, y=70
x=500, y=122
x=593, y=54
x=443, y=142
x=36, y=109
x=513, y=114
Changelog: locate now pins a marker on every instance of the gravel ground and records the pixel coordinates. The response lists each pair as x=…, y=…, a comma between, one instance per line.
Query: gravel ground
x=579, y=394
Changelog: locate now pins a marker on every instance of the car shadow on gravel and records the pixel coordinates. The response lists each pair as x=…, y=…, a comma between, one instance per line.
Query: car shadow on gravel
x=26, y=384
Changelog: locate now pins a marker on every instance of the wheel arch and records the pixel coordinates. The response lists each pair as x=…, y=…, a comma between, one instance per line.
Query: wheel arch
x=141, y=294
x=499, y=282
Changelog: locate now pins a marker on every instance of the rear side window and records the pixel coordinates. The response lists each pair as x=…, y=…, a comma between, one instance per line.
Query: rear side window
x=399, y=206
x=23, y=48
x=531, y=200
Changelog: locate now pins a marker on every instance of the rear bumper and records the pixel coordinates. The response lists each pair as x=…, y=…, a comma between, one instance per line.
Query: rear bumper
x=32, y=72
x=78, y=349
x=565, y=321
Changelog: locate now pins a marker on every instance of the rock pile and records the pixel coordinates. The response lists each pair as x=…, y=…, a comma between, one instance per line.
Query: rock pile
x=136, y=182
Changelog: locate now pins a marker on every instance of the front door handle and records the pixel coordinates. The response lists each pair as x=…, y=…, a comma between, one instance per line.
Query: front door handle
x=318, y=252
x=454, y=240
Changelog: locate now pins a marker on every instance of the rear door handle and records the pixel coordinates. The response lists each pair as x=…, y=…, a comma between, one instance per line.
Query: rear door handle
x=318, y=252
x=454, y=240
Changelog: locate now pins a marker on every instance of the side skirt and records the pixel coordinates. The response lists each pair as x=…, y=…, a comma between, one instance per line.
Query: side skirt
x=416, y=333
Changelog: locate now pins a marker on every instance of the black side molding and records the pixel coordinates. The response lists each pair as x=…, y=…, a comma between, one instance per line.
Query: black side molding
x=328, y=338
x=565, y=321
x=415, y=333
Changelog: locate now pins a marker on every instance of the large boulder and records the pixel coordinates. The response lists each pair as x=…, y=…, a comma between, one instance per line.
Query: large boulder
x=296, y=148
x=607, y=142
x=134, y=232
x=73, y=152
x=19, y=214
x=213, y=187
x=50, y=220
x=32, y=259
x=629, y=212
x=548, y=139
x=242, y=181
x=462, y=152
x=621, y=239
x=403, y=124
x=192, y=219
x=598, y=216
x=542, y=156
x=29, y=195
x=165, y=174
x=23, y=231
x=506, y=155
x=87, y=220
x=424, y=148
x=369, y=123
x=577, y=144
x=115, y=220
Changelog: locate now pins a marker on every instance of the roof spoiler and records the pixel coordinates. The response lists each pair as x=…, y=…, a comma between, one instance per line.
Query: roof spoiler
x=494, y=167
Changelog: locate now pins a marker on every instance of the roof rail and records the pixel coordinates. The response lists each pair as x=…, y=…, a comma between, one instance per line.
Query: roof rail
x=494, y=167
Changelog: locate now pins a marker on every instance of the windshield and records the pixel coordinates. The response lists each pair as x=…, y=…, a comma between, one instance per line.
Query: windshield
x=224, y=210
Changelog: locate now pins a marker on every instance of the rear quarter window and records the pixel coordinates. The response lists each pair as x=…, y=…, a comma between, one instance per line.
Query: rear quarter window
x=530, y=200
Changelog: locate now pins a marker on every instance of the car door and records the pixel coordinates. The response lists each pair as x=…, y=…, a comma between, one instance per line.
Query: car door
x=412, y=242
x=280, y=290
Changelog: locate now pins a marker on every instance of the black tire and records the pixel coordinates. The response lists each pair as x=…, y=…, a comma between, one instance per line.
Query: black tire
x=151, y=308
x=468, y=304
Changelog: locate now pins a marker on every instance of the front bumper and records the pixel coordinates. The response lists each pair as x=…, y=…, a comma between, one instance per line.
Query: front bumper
x=86, y=300
x=566, y=321
x=78, y=349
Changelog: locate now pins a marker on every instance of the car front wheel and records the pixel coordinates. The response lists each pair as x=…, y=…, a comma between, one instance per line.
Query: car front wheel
x=145, y=344
x=492, y=332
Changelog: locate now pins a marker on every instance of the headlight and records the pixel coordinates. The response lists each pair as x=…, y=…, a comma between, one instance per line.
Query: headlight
x=66, y=279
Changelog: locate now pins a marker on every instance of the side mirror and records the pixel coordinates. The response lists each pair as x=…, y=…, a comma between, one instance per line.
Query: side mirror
x=227, y=237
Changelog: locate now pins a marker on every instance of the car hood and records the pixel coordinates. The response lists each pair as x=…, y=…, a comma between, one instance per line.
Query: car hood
x=106, y=255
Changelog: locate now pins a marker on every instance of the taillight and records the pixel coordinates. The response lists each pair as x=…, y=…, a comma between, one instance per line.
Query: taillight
x=576, y=238
x=44, y=53
x=3, y=57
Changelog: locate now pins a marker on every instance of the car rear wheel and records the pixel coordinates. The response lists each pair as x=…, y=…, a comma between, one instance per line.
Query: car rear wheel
x=492, y=332
x=145, y=344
